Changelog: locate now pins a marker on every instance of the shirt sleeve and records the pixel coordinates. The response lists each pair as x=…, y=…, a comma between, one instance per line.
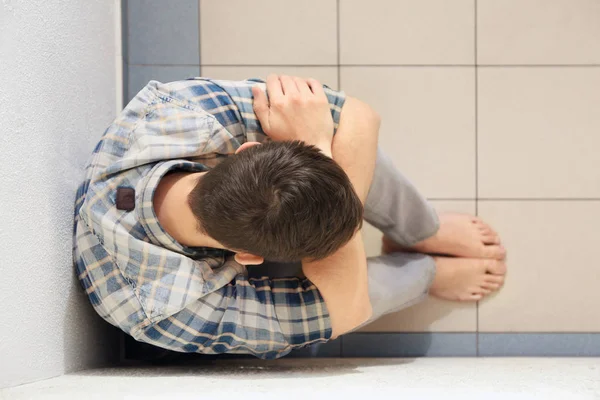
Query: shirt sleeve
x=241, y=93
x=264, y=317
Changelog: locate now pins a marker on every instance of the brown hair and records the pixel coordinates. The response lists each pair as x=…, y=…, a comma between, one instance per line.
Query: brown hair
x=284, y=201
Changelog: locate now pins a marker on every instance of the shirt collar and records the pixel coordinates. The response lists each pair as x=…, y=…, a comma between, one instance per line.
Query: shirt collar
x=147, y=217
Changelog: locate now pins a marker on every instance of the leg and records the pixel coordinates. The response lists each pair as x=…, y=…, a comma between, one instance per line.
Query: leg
x=409, y=223
x=396, y=208
x=398, y=281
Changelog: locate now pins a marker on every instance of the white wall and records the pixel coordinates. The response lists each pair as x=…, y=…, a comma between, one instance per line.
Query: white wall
x=58, y=92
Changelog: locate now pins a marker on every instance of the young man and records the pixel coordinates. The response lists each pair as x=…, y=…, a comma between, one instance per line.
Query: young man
x=181, y=200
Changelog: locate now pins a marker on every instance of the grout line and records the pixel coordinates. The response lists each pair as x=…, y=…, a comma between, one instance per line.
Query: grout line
x=451, y=199
x=119, y=60
x=479, y=199
x=125, y=52
x=411, y=333
x=539, y=199
x=377, y=65
x=335, y=65
x=199, y=40
x=337, y=11
x=541, y=333
x=471, y=332
x=166, y=65
x=476, y=158
x=537, y=65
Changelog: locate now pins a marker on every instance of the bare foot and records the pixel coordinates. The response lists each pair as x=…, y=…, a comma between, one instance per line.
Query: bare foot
x=459, y=235
x=466, y=279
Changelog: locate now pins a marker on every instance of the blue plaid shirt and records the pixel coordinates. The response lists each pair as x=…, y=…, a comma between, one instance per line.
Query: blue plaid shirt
x=138, y=277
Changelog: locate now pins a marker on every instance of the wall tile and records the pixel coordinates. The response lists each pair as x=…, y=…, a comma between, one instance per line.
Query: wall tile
x=552, y=280
x=161, y=32
x=538, y=31
x=539, y=132
x=407, y=32
x=409, y=345
x=268, y=32
x=428, y=122
x=539, y=344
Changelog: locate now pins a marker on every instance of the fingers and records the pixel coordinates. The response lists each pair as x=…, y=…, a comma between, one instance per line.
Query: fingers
x=274, y=88
x=302, y=86
x=261, y=107
x=288, y=85
x=284, y=85
x=316, y=87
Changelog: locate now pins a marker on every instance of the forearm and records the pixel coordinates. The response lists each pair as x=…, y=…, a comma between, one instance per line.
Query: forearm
x=342, y=281
x=342, y=278
x=354, y=145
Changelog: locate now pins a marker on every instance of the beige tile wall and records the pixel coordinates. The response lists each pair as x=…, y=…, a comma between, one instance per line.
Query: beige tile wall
x=489, y=106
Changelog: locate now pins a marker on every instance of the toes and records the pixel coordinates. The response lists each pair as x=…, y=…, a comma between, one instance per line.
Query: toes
x=490, y=238
x=496, y=252
x=485, y=230
x=471, y=297
x=490, y=286
x=495, y=267
x=496, y=279
x=484, y=227
x=482, y=290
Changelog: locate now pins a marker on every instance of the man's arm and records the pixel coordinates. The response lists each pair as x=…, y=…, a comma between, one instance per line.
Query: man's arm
x=342, y=277
x=355, y=144
x=296, y=113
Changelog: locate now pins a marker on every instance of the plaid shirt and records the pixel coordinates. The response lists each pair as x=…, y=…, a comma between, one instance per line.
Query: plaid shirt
x=138, y=277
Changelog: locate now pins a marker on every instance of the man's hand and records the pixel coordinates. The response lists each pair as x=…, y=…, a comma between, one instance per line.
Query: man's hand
x=297, y=109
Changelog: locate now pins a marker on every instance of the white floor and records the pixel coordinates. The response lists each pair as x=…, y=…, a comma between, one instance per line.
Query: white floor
x=423, y=378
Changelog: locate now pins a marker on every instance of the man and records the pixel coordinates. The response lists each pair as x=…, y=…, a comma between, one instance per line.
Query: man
x=181, y=201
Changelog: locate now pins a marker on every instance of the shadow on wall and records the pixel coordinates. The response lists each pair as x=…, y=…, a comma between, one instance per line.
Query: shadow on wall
x=88, y=340
x=85, y=330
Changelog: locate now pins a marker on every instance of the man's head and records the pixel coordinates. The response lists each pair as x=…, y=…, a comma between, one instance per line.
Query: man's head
x=283, y=201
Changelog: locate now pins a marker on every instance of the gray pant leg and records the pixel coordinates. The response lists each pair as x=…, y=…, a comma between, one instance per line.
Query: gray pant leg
x=396, y=208
x=398, y=281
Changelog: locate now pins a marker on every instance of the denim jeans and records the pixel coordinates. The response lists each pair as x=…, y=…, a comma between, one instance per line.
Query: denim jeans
x=396, y=208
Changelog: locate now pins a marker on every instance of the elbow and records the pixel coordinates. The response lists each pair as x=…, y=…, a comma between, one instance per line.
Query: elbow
x=372, y=118
x=361, y=314
x=376, y=121
x=366, y=111
x=366, y=314
x=375, y=117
